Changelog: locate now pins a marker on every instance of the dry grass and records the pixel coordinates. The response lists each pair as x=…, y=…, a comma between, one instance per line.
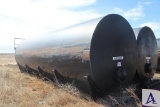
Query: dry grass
x=22, y=90
x=157, y=76
x=128, y=98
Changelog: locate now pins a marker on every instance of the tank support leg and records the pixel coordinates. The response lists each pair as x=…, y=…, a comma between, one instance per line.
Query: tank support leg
x=28, y=69
x=40, y=72
x=58, y=77
x=44, y=75
x=22, y=69
x=94, y=91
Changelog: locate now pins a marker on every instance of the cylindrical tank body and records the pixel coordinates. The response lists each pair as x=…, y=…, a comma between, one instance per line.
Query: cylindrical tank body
x=158, y=63
x=146, y=52
x=95, y=48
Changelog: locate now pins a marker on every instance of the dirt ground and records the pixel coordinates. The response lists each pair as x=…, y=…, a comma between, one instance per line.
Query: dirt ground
x=23, y=90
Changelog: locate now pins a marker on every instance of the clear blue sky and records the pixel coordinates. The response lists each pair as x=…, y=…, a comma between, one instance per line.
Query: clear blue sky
x=26, y=18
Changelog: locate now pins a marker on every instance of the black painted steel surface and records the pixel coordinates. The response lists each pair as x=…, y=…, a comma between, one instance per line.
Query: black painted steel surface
x=158, y=63
x=158, y=44
x=96, y=48
x=112, y=37
x=146, y=52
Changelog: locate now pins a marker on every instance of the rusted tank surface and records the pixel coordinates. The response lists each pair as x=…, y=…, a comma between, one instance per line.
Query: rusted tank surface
x=99, y=48
x=146, y=52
